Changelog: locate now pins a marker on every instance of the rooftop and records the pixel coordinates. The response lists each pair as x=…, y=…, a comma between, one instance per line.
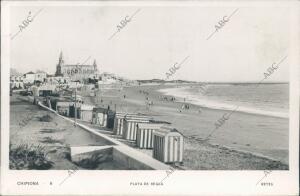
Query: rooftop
x=149, y=126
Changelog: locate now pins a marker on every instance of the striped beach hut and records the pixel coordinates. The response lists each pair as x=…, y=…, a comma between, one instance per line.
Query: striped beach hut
x=99, y=116
x=168, y=145
x=144, y=138
x=86, y=112
x=63, y=108
x=119, y=122
x=130, y=125
x=110, y=119
x=72, y=110
x=104, y=117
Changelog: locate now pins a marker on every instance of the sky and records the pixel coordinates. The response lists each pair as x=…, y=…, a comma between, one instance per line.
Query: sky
x=154, y=40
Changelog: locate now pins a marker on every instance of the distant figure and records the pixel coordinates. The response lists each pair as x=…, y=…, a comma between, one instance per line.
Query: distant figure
x=185, y=107
x=108, y=107
x=124, y=96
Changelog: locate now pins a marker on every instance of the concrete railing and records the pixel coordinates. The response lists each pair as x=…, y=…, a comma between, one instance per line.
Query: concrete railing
x=121, y=153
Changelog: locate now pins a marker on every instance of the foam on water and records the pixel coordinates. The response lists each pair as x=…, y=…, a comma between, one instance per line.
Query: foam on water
x=205, y=101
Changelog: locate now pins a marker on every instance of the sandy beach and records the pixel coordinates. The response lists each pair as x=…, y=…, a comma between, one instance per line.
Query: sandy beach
x=227, y=149
x=245, y=141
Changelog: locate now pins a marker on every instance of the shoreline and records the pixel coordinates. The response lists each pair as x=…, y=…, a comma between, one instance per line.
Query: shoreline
x=198, y=155
x=242, y=109
x=225, y=111
x=168, y=111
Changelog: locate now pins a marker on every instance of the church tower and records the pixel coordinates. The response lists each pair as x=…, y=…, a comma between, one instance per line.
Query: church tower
x=58, y=66
x=95, y=65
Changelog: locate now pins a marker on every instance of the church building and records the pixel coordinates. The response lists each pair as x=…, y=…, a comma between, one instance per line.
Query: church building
x=75, y=72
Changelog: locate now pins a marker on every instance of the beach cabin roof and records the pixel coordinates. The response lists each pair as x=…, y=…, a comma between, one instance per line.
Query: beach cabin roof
x=137, y=118
x=167, y=131
x=59, y=99
x=77, y=96
x=29, y=73
x=100, y=110
x=160, y=122
x=47, y=87
x=123, y=114
x=86, y=107
x=64, y=104
x=33, y=87
x=149, y=126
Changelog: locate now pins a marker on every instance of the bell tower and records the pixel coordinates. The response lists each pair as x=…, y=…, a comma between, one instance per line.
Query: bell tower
x=58, y=66
x=95, y=66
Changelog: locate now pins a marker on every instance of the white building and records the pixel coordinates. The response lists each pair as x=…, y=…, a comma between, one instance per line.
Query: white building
x=32, y=77
x=57, y=80
x=16, y=82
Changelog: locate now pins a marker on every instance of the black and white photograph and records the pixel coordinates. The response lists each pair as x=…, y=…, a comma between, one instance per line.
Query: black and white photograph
x=132, y=87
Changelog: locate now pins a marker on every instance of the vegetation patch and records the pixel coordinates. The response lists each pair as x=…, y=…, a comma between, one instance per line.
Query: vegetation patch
x=51, y=130
x=94, y=161
x=66, y=155
x=46, y=118
x=50, y=140
x=27, y=156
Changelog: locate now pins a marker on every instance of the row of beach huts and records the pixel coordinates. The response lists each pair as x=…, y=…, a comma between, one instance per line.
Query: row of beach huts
x=147, y=133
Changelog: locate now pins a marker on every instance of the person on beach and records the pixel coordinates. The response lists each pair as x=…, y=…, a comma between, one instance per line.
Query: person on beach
x=185, y=107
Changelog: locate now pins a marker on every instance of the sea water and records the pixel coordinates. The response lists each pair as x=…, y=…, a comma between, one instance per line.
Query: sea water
x=261, y=99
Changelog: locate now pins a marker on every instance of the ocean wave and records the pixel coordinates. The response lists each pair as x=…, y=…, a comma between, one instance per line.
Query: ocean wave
x=182, y=92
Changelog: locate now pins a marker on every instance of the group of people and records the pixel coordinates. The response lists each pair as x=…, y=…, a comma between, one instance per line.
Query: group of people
x=184, y=107
x=166, y=98
x=144, y=92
